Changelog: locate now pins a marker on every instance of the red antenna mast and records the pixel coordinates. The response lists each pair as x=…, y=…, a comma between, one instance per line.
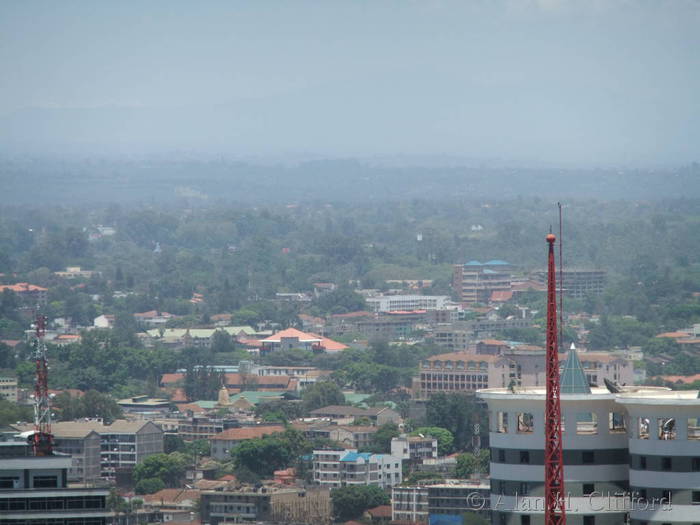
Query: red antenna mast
x=42, y=440
x=555, y=514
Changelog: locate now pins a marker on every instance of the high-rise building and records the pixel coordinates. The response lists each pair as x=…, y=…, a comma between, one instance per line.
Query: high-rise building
x=34, y=490
x=625, y=453
x=474, y=282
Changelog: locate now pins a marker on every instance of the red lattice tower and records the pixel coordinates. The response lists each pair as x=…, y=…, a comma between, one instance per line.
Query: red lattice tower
x=555, y=514
x=42, y=441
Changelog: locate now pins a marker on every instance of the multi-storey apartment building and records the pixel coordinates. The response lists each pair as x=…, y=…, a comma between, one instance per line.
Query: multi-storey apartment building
x=495, y=364
x=267, y=504
x=629, y=455
x=579, y=282
x=354, y=436
x=125, y=444
x=409, y=504
x=223, y=443
x=474, y=282
x=83, y=445
x=35, y=490
x=414, y=448
x=30, y=295
x=339, y=468
x=429, y=502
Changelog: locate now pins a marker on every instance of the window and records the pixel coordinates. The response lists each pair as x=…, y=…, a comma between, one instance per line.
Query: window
x=666, y=428
x=642, y=494
x=642, y=462
x=524, y=488
x=642, y=428
x=525, y=520
x=588, y=457
x=588, y=489
x=586, y=423
x=695, y=499
x=694, y=428
x=43, y=482
x=696, y=465
x=524, y=456
x=616, y=423
x=589, y=520
x=502, y=456
x=525, y=423
x=502, y=422
x=8, y=482
x=501, y=487
x=666, y=464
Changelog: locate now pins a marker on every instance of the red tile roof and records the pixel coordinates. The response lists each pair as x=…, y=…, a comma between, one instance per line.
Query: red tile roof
x=171, y=496
x=22, y=288
x=501, y=296
x=382, y=511
x=239, y=434
x=682, y=379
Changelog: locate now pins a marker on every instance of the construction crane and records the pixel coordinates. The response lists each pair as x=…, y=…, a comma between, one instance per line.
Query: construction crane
x=42, y=440
x=555, y=513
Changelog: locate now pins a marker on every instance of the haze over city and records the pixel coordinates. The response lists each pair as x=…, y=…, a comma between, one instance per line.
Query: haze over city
x=517, y=82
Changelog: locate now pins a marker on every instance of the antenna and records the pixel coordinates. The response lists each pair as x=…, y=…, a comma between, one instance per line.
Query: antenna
x=42, y=441
x=561, y=277
x=555, y=512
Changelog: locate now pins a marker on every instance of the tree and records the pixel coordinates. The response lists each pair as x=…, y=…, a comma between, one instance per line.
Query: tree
x=380, y=442
x=169, y=468
x=444, y=438
x=457, y=413
x=351, y=501
x=91, y=404
x=11, y=413
x=468, y=463
x=262, y=456
x=322, y=394
x=149, y=486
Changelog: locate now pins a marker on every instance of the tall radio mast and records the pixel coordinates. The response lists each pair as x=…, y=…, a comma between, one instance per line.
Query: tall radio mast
x=42, y=441
x=555, y=513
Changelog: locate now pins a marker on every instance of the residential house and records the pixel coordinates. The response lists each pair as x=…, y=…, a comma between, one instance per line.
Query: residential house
x=30, y=295
x=224, y=442
x=377, y=415
x=293, y=338
x=414, y=448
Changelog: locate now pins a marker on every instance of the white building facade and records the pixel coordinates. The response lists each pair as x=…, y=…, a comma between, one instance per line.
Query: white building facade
x=340, y=468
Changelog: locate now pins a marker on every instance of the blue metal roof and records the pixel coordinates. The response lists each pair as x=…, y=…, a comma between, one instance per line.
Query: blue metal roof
x=354, y=456
x=497, y=262
x=473, y=263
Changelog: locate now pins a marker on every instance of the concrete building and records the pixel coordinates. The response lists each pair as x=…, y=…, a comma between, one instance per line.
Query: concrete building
x=352, y=436
x=631, y=454
x=340, y=468
x=474, y=282
x=409, y=504
x=493, y=364
x=414, y=448
x=34, y=490
x=8, y=389
x=664, y=456
x=293, y=338
x=579, y=282
x=83, y=445
x=224, y=442
x=377, y=415
x=391, y=303
x=266, y=504
x=443, y=501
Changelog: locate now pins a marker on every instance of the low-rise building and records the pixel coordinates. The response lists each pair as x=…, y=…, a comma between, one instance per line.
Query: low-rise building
x=30, y=295
x=266, y=504
x=377, y=415
x=8, y=388
x=292, y=338
x=414, y=448
x=340, y=468
x=223, y=443
x=391, y=303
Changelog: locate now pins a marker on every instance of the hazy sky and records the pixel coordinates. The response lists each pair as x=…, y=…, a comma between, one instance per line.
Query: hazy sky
x=579, y=81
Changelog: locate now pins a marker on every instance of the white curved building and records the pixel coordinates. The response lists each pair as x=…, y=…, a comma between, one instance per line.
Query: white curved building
x=613, y=473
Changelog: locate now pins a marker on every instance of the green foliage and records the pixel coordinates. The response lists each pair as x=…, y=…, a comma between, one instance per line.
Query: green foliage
x=414, y=478
x=260, y=457
x=280, y=411
x=457, y=413
x=444, y=438
x=149, y=486
x=321, y=394
x=173, y=443
x=92, y=404
x=380, y=442
x=468, y=463
x=341, y=300
x=11, y=413
x=351, y=501
x=203, y=383
x=168, y=468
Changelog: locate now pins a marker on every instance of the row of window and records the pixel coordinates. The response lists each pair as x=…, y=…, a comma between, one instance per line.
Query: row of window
x=459, y=365
x=87, y=502
x=586, y=423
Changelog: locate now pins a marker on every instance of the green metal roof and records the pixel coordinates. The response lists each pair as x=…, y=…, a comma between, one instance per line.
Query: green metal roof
x=573, y=378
